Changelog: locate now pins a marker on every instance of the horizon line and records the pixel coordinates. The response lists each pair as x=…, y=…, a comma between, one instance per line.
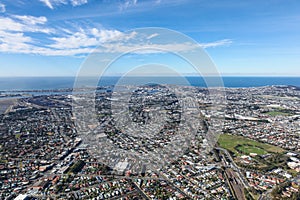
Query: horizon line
x=186, y=75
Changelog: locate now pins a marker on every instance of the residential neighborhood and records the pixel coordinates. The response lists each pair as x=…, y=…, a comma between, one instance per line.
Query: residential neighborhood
x=45, y=153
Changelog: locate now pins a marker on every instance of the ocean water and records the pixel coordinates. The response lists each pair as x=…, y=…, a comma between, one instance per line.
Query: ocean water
x=48, y=83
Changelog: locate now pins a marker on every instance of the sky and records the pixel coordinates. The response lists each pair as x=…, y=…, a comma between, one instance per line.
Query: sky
x=56, y=37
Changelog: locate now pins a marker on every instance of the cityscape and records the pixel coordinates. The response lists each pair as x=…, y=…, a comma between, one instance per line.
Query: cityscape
x=256, y=156
x=149, y=100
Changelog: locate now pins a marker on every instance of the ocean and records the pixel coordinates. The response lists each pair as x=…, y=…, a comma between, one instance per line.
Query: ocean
x=51, y=83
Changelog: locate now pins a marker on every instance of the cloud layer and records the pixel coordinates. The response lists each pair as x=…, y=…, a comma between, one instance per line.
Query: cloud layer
x=18, y=35
x=53, y=3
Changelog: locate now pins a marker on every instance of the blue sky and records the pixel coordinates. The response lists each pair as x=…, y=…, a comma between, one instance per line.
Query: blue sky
x=53, y=37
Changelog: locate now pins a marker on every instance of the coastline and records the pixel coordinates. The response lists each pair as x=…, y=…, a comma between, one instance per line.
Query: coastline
x=8, y=84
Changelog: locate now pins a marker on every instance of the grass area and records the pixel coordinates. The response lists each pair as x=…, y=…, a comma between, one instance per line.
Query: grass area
x=18, y=136
x=276, y=113
x=230, y=142
x=247, y=149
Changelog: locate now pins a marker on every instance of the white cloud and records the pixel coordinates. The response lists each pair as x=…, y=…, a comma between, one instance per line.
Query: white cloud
x=52, y=3
x=10, y=25
x=152, y=36
x=14, y=42
x=31, y=20
x=47, y=3
x=14, y=30
x=144, y=48
x=76, y=40
x=78, y=2
x=80, y=43
x=24, y=24
x=223, y=42
x=90, y=38
x=111, y=35
x=15, y=37
x=2, y=8
x=106, y=35
x=127, y=3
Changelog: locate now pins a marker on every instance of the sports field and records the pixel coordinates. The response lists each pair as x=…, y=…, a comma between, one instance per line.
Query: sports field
x=247, y=149
x=238, y=144
x=276, y=113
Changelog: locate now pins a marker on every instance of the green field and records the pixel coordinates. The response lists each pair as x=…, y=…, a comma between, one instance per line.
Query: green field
x=247, y=149
x=231, y=142
x=276, y=113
